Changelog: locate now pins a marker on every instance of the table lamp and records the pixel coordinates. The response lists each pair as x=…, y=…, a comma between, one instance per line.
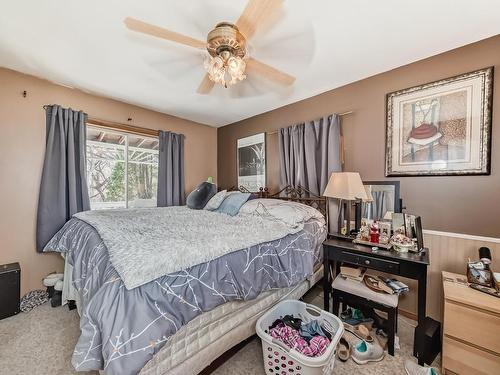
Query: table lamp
x=347, y=187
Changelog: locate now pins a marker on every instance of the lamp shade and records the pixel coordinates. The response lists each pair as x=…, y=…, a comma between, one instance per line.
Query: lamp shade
x=369, y=196
x=345, y=185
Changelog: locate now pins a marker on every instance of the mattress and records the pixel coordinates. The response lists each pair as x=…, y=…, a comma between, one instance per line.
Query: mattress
x=211, y=334
x=123, y=329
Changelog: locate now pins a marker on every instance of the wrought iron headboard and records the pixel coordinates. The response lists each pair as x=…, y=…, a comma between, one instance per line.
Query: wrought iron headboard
x=294, y=194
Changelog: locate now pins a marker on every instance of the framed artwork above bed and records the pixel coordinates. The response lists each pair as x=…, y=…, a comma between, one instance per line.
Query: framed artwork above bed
x=441, y=128
x=251, y=161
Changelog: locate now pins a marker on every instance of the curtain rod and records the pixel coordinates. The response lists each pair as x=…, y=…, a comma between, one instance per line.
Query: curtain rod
x=119, y=126
x=340, y=114
x=123, y=127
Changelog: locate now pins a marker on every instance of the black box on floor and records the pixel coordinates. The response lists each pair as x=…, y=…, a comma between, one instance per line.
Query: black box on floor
x=427, y=341
x=10, y=289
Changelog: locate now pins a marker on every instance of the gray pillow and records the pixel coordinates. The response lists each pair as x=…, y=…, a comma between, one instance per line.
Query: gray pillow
x=232, y=203
x=199, y=197
x=215, y=201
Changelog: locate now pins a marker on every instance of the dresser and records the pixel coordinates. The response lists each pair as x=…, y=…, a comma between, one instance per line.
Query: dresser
x=471, y=329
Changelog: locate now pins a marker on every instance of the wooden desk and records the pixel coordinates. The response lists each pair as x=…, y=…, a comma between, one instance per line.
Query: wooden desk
x=471, y=329
x=410, y=265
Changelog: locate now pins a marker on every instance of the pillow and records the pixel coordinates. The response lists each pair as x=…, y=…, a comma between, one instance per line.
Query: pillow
x=290, y=213
x=199, y=197
x=232, y=203
x=215, y=201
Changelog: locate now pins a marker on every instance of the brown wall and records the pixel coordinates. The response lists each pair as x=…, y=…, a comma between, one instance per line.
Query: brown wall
x=22, y=144
x=454, y=204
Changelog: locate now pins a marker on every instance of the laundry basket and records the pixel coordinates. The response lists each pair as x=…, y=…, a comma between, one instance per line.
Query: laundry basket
x=281, y=360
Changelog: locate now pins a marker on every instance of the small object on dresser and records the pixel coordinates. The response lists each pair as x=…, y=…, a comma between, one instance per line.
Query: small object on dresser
x=479, y=272
x=374, y=233
x=485, y=289
x=401, y=243
x=10, y=289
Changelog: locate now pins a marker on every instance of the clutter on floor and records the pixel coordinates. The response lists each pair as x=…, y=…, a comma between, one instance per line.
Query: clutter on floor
x=364, y=352
x=413, y=368
x=54, y=284
x=299, y=338
x=308, y=339
x=367, y=326
x=33, y=299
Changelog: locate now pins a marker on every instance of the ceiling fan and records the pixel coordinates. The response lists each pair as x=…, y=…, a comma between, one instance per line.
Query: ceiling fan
x=228, y=61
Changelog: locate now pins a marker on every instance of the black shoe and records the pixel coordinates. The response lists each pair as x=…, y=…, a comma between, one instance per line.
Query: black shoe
x=56, y=299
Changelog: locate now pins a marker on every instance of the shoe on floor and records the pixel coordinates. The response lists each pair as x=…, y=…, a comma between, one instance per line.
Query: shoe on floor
x=413, y=368
x=344, y=349
x=360, y=331
x=364, y=352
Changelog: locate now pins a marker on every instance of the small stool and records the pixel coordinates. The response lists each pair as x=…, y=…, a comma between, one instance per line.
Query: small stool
x=357, y=294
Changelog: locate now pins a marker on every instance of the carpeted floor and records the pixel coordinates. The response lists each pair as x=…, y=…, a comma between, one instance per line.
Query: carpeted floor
x=41, y=342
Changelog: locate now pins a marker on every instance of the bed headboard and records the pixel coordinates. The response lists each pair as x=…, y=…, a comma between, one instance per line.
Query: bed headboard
x=295, y=194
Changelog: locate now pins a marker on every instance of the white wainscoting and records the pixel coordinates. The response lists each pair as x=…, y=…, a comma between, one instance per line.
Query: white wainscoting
x=449, y=252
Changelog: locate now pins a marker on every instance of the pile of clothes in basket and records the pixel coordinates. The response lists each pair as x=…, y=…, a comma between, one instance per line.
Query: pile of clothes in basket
x=309, y=339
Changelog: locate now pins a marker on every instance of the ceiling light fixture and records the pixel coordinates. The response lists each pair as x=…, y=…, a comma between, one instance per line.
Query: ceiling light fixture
x=226, y=46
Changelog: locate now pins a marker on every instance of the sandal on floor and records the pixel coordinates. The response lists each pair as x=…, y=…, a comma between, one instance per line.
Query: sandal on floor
x=360, y=330
x=344, y=349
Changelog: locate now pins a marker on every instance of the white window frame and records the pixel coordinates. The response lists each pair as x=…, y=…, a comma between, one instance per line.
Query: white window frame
x=126, y=147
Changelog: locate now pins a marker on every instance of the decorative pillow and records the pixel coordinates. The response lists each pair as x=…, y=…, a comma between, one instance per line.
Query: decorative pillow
x=199, y=197
x=232, y=203
x=215, y=201
x=290, y=213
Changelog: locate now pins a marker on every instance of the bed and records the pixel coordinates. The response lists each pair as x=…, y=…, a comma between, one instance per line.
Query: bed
x=180, y=322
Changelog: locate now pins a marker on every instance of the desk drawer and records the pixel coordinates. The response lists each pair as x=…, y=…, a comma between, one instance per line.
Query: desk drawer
x=370, y=262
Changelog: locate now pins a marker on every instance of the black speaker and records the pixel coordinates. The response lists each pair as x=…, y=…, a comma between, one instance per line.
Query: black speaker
x=427, y=341
x=10, y=289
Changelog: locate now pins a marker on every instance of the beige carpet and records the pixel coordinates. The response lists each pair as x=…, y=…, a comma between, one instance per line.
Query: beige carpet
x=41, y=342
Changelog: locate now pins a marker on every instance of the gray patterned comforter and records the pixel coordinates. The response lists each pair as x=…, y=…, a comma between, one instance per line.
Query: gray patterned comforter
x=122, y=329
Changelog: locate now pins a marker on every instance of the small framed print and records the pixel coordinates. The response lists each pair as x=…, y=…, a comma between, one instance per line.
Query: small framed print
x=251, y=162
x=385, y=228
x=441, y=128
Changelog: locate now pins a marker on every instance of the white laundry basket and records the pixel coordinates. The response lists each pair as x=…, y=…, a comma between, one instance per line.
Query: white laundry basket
x=281, y=360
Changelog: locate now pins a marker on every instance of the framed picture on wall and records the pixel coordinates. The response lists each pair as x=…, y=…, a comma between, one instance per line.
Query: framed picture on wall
x=441, y=128
x=251, y=162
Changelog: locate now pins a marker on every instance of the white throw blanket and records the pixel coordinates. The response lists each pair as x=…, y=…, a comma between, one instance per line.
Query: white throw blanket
x=145, y=244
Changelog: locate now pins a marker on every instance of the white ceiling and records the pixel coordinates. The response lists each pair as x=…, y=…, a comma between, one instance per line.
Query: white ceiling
x=325, y=43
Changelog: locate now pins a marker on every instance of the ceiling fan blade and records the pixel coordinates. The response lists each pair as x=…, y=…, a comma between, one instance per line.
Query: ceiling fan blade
x=255, y=13
x=147, y=28
x=267, y=71
x=206, y=85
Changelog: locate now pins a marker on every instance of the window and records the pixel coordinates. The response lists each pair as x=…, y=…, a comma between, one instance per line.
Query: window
x=122, y=169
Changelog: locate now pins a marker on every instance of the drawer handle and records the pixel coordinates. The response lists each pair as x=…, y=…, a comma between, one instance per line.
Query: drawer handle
x=367, y=262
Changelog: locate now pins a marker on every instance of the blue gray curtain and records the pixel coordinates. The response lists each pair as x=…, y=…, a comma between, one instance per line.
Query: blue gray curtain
x=63, y=188
x=309, y=153
x=171, y=170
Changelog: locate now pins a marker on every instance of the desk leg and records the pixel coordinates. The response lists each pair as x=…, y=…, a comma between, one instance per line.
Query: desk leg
x=335, y=299
x=326, y=282
x=422, y=293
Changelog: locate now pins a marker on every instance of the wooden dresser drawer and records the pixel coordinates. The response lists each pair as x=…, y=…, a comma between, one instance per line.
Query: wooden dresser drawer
x=463, y=359
x=373, y=263
x=471, y=325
